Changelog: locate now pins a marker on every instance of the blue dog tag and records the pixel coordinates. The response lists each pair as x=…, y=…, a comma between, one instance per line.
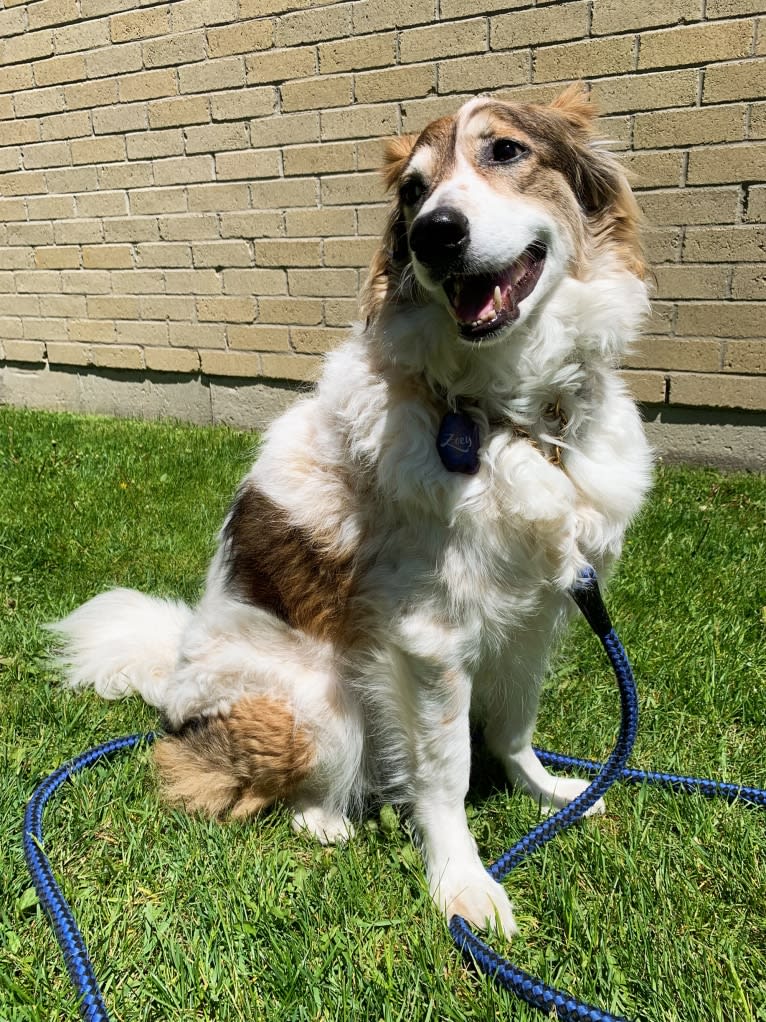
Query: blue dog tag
x=458, y=443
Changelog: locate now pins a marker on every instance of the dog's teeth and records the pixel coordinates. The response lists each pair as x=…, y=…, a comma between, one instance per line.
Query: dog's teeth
x=497, y=299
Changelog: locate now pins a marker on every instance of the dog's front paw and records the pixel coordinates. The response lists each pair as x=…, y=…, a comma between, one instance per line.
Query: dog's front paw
x=329, y=828
x=474, y=895
x=567, y=789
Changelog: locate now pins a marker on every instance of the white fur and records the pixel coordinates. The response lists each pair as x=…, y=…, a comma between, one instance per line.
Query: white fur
x=465, y=577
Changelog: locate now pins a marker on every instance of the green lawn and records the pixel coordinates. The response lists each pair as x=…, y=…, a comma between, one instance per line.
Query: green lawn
x=656, y=911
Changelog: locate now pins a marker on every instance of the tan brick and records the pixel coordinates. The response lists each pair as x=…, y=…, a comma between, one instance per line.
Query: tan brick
x=285, y=252
x=340, y=311
x=252, y=224
x=158, y=200
x=654, y=170
x=91, y=331
x=181, y=48
x=37, y=281
x=676, y=353
x=281, y=193
x=49, y=12
x=317, y=93
x=369, y=153
x=207, y=138
x=190, y=282
x=281, y=65
x=68, y=353
x=104, y=149
x=59, y=69
x=91, y=94
x=118, y=356
x=417, y=113
x=184, y=170
x=322, y=283
x=15, y=257
x=722, y=319
x=259, y=338
x=141, y=332
x=111, y=120
x=12, y=209
x=191, y=14
x=171, y=360
x=50, y=207
x=690, y=206
x=341, y=189
x=19, y=132
x=695, y=44
x=10, y=159
x=230, y=363
x=316, y=340
x=86, y=282
x=23, y=351
x=718, y=164
x=222, y=73
x=241, y=37
x=358, y=122
x=147, y=144
x=749, y=282
x=150, y=254
x=327, y=157
x=611, y=16
x=735, y=80
x=39, y=101
x=102, y=257
x=559, y=23
x=12, y=22
x=95, y=8
x=81, y=36
x=40, y=233
x=168, y=307
x=218, y=197
x=305, y=368
x=193, y=227
x=23, y=48
x=242, y=103
x=13, y=79
x=232, y=252
x=166, y=113
x=64, y=306
x=126, y=175
x=44, y=329
x=46, y=154
x=114, y=60
x=260, y=8
x=58, y=257
x=372, y=16
x=372, y=219
x=254, y=282
x=489, y=71
x=197, y=335
x=298, y=311
x=757, y=120
x=349, y=251
x=60, y=126
x=313, y=25
x=743, y=244
x=285, y=128
x=447, y=40
x=148, y=85
x=645, y=385
x=320, y=223
x=691, y=281
x=760, y=37
x=131, y=228
x=588, y=58
x=744, y=357
x=139, y=24
x=718, y=391
x=113, y=307
x=6, y=107
x=226, y=309
x=10, y=327
x=689, y=127
x=731, y=8
x=357, y=52
x=653, y=91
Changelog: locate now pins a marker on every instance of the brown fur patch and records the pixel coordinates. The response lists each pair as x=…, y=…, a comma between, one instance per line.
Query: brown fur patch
x=238, y=764
x=278, y=566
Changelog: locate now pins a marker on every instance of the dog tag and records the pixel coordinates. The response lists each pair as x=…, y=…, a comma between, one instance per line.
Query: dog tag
x=458, y=443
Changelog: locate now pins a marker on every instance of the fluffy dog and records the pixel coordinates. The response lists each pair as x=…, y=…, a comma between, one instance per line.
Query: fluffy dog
x=396, y=562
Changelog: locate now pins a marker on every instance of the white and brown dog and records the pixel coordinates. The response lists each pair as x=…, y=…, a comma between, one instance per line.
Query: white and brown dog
x=397, y=560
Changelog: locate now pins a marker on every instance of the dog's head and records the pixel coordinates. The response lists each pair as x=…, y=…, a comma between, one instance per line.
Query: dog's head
x=494, y=206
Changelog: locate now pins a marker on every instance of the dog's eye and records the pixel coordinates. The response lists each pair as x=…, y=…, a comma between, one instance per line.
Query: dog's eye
x=505, y=150
x=411, y=190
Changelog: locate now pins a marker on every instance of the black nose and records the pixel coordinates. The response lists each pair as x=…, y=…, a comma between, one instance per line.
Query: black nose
x=439, y=238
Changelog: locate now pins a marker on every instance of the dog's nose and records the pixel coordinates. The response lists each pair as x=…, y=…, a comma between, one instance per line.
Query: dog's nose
x=440, y=237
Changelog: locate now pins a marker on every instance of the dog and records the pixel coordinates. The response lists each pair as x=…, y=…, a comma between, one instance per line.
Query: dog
x=395, y=565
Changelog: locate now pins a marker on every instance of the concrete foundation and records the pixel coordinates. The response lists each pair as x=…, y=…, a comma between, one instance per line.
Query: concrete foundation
x=723, y=439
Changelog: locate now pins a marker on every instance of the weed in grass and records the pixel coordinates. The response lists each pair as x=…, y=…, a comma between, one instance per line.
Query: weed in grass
x=655, y=911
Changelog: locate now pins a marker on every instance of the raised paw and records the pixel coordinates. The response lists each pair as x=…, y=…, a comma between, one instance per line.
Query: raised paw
x=567, y=789
x=475, y=896
x=329, y=828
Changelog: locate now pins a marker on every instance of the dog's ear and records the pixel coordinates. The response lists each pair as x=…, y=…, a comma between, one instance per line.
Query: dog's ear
x=598, y=178
x=396, y=155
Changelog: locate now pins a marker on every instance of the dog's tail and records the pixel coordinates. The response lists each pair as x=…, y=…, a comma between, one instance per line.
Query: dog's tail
x=122, y=642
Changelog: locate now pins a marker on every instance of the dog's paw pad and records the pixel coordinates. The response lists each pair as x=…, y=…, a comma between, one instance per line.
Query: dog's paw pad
x=327, y=827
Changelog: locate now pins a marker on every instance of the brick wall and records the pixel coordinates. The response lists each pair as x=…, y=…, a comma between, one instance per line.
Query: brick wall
x=190, y=187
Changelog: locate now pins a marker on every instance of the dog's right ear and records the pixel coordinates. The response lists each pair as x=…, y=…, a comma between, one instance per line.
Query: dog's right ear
x=396, y=156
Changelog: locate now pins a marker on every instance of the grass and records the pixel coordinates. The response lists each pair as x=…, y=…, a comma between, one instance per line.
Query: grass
x=656, y=911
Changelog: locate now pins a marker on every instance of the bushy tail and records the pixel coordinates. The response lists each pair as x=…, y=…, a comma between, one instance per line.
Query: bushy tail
x=122, y=642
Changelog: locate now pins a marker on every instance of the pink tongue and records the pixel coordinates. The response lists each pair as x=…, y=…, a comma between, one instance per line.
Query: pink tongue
x=476, y=299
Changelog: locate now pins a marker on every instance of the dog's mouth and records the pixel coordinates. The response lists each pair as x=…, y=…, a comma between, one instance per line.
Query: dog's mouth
x=484, y=303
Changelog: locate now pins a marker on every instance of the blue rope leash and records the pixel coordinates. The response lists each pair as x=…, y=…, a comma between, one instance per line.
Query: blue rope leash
x=534, y=991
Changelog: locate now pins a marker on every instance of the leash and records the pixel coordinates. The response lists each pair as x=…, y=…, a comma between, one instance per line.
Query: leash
x=555, y=1003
